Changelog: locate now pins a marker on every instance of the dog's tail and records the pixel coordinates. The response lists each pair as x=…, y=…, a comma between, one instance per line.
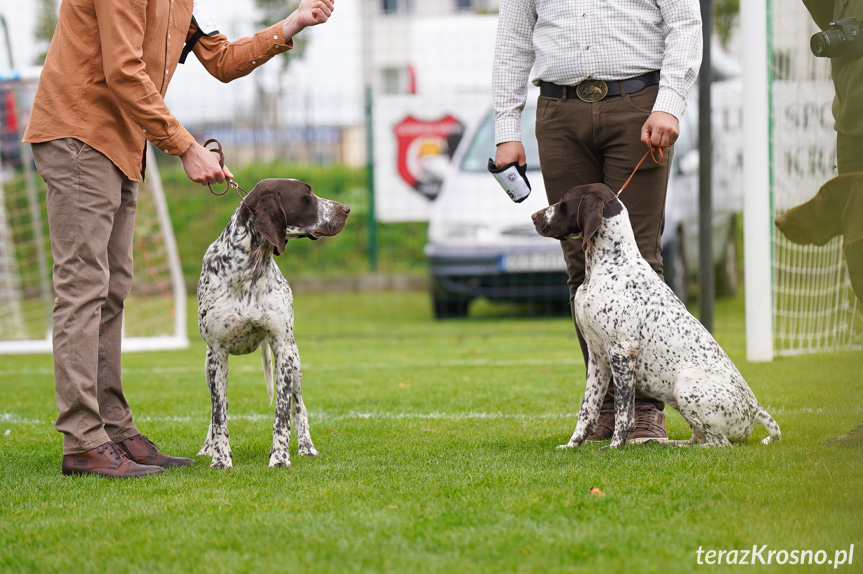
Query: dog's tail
x=765, y=420
x=267, y=363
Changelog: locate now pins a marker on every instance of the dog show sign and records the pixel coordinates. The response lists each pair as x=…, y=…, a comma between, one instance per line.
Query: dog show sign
x=415, y=137
x=420, y=144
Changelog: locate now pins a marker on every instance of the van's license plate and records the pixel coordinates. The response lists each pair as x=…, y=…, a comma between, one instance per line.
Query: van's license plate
x=531, y=262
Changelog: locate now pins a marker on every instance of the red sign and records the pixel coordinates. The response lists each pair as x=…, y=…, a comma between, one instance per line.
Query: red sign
x=420, y=142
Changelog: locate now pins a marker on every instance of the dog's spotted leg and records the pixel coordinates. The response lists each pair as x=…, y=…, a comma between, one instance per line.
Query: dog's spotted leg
x=217, y=444
x=279, y=454
x=298, y=408
x=598, y=378
x=622, y=357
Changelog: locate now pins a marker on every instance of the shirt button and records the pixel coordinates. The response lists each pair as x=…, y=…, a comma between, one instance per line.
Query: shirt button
x=167, y=72
x=144, y=130
x=253, y=62
x=169, y=36
x=166, y=151
x=587, y=47
x=274, y=37
x=276, y=46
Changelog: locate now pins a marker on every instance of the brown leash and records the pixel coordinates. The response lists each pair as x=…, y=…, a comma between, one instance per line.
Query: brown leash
x=229, y=183
x=651, y=151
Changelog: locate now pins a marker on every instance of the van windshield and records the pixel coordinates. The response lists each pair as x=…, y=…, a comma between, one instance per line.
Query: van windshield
x=482, y=146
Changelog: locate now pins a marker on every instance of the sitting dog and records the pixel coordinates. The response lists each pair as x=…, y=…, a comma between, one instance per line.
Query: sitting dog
x=244, y=302
x=640, y=333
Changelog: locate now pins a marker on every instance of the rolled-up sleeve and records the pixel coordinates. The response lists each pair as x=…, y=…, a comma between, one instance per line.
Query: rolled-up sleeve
x=228, y=61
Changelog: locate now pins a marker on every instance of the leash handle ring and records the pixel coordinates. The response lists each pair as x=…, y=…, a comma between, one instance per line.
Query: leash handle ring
x=229, y=183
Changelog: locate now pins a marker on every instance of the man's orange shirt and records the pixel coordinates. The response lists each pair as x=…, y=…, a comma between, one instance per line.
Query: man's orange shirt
x=109, y=65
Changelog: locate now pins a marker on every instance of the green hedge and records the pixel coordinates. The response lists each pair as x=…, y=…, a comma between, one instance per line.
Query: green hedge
x=199, y=217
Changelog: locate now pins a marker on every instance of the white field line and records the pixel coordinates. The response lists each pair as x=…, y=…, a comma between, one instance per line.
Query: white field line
x=327, y=367
x=12, y=418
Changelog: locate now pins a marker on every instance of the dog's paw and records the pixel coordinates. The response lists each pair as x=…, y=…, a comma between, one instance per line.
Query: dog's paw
x=279, y=457
x=221, y=463
x=307, y=449
x=279, y=462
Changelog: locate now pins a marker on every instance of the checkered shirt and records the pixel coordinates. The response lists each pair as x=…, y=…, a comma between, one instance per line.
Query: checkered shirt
x=568, y=41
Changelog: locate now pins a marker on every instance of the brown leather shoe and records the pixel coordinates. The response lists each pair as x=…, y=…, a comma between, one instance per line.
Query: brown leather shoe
x=604, y=427
x=141, y=450
x=106, y=460
x=649, y=424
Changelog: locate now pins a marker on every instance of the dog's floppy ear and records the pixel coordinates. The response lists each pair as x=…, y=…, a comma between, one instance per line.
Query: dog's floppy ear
x=271, y=221
x=589, y=217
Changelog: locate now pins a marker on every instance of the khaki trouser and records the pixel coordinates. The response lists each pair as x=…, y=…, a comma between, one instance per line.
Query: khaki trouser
x=91, y=217
x=600, y=142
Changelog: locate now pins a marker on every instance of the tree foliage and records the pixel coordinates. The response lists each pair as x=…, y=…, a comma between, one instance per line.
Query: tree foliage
x=725, y=14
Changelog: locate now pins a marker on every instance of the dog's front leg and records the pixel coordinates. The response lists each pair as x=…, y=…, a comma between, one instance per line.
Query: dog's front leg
x=622, y=357
x=279, y=454
x=598, y=377
x=299, y=413
x=217, y=444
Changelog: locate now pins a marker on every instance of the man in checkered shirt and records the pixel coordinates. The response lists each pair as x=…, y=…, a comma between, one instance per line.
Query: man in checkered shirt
x=613, y=79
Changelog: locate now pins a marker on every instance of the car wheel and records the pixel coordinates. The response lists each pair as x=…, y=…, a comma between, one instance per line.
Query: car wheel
x=726, y=271
x=449, y=307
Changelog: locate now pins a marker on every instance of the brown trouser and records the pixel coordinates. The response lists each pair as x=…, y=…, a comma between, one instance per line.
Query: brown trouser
x=582, y=143
x=91, y=217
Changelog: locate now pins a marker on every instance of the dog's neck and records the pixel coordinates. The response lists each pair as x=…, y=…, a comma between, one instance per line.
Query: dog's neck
x=613, y=244
x=252, y=253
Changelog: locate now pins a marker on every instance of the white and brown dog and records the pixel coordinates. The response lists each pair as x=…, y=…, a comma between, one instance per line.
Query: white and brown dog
x=640, y=333
x=245, y=302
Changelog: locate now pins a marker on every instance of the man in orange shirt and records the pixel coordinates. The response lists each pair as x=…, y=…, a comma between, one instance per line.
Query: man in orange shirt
x=100, y=98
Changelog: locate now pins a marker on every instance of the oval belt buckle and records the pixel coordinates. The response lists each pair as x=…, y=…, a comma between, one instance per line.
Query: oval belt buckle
x=591, y=90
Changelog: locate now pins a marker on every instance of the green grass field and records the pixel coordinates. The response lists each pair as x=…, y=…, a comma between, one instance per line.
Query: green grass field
x=437, y=446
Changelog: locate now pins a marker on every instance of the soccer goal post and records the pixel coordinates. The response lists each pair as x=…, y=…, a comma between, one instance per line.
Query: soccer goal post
x=798, y=298
x=155, y=312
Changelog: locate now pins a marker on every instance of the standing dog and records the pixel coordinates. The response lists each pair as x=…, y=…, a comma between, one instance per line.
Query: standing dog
x=244, y=302
x=640, y=333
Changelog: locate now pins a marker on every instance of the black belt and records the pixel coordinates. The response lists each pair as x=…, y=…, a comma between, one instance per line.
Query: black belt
x=595, y=90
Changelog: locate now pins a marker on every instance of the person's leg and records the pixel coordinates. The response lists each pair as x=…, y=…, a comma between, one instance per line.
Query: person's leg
x=619, y=131
x=569, y=159
x=114, y=409
x=577, y=141
x=84, y=194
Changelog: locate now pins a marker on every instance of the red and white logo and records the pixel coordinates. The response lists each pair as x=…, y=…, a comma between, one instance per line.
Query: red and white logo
x=422, y=142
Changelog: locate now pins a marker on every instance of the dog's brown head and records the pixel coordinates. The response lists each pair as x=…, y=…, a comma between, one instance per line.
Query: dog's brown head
x=579, y=212
x=824, y=216
x=287, y=209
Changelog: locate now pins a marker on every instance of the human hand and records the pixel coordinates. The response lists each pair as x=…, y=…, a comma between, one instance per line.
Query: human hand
x=660, y=130
x=202, y=166
x=308, y=13
x=508, y=152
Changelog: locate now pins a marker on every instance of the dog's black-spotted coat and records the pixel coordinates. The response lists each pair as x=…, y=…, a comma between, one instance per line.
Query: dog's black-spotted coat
x=638, y=331
x=245, y=302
